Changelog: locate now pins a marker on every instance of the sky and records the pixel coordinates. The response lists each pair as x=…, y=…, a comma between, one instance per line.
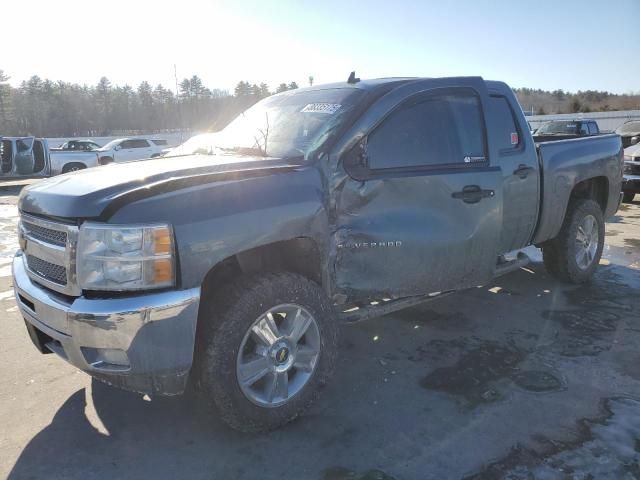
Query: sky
x=549, y=44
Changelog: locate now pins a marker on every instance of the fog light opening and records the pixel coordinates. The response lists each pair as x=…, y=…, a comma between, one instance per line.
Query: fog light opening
x=106, y=358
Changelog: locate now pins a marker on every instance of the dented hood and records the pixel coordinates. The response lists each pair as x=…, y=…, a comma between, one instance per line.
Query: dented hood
x=88, y=193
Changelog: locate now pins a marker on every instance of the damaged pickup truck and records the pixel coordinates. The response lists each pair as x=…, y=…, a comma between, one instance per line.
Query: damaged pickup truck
x=231, y=265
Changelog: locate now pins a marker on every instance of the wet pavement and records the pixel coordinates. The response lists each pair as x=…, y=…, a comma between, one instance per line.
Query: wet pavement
x=526, y=378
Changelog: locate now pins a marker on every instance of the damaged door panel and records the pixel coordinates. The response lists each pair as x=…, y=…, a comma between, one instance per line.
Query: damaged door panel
x=421, y=209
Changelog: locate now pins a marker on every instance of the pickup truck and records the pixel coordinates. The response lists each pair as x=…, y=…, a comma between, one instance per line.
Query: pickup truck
x=230, y=267
x=77, y=145
x=29, y=157
x=564, y=129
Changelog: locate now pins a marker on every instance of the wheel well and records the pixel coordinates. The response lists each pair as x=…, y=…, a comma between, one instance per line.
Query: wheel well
x=596, y=188
x=68, y=166
x=299, y=255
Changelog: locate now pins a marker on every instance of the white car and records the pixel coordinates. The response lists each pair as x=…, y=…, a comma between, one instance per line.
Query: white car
x=125, y=149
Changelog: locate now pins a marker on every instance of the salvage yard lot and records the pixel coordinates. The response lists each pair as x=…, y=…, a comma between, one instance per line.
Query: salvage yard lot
x=523, y=376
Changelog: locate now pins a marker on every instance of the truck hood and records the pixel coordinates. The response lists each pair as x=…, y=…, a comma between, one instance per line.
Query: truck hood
x=87, y=193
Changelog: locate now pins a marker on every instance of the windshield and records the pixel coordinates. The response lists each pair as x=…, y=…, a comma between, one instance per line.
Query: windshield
x=566, y=127
x=283, y=126
x=630, y=127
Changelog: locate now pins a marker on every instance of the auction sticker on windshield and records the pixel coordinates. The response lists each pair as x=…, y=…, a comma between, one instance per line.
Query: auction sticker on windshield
x=329, y=108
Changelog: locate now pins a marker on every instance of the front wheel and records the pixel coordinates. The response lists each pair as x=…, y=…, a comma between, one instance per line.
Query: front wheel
x=627, y=197
x=267, y=347
x=575, y=253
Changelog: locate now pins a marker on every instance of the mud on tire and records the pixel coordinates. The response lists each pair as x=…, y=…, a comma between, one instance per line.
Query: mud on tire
x=225, y=319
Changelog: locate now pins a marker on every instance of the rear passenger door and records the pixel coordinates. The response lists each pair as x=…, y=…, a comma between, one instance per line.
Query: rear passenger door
x=421, y=210
x=516, y=155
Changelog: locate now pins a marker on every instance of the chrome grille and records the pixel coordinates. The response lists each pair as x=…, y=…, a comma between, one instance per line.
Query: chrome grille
x=47, y=235
x=49, y=253
x=49, y=271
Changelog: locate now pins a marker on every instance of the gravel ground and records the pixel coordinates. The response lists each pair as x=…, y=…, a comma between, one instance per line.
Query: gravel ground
x=524, y=378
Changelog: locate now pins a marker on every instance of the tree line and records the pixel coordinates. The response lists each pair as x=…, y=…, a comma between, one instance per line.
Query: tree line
x=542, y=102
x=48, y=108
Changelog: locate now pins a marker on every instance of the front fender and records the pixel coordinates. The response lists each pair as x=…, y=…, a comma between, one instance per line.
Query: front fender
x=215, y=221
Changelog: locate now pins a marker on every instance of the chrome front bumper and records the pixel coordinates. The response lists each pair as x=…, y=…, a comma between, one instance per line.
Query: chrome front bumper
x=151, y=335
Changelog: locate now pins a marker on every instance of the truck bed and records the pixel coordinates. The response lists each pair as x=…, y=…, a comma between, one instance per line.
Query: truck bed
x=565, y=163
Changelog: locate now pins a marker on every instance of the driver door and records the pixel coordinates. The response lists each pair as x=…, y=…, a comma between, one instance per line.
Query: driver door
x=421, y=208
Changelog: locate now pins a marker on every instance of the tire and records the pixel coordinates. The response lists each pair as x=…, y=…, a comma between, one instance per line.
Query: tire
x=627, y=197
x=224, y=325
x=105, y=160
x=561, y=254
x=73, y=167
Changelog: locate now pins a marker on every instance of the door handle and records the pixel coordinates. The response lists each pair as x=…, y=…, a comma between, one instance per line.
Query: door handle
x=522, y=171
x=473, y=194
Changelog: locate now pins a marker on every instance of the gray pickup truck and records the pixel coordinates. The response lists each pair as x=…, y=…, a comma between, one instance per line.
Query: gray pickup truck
x=230, y=265
x=30, y=157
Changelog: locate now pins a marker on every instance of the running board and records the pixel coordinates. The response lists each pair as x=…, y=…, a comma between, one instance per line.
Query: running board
x=386, y=306
x=509, y=266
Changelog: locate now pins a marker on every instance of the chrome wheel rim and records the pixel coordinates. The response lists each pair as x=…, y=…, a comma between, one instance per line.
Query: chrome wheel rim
x=586, y=242
x=278, y=355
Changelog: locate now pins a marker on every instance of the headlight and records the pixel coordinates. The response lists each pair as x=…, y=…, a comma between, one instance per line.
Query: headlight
x=115, y=257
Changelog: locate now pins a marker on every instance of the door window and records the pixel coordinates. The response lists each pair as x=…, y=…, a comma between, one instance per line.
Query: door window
x=507, y=136
x=439, y=130
x=139, y=143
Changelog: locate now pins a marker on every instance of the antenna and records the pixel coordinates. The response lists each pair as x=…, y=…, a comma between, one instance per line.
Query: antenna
x=352, y=78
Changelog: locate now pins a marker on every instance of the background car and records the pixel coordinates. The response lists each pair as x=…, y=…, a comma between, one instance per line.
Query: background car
x=629, y=132
x=124, y=149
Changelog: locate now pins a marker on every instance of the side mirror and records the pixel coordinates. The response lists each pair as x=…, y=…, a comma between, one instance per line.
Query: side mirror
x=117, y=147
x=635, y=140
x=355, y=161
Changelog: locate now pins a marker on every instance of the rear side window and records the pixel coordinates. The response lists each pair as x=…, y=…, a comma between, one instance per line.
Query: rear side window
x=508, y=135
x=593, y=128
x=159, y=142
x=438, y=130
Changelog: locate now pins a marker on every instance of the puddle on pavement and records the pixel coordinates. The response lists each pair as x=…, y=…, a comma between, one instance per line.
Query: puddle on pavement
x=595, y=313
x=479, y=375
x=607, y=447
x=474, y=373
x=632, y=242
x=341, y=473
x=537, y=381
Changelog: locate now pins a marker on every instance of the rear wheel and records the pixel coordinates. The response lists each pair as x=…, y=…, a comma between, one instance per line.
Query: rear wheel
x=73, y=167
x=627, y=197
x=575, y=253
x=267, y=347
